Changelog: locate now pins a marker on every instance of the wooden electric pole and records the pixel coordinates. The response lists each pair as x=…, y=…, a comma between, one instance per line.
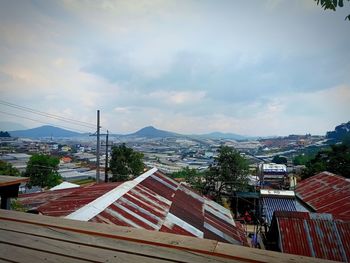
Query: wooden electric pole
x=98, y=148
x=106, y=161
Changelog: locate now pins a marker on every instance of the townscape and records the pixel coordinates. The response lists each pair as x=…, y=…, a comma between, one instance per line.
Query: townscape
x=180, y=131
x=259, y=215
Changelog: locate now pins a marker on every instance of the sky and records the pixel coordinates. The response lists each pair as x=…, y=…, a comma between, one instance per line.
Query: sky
x=258, y=68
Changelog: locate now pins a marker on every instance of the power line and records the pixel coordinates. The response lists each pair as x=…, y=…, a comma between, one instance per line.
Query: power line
x=49, y=115
x=27, y=118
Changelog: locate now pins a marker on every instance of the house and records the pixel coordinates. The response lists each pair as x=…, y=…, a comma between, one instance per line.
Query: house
x=326, y=193
x=310, y=234
x=151, y=201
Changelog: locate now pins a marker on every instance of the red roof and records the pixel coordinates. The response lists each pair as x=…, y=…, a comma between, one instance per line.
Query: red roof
x=63, y=202
x=313, y=235
x=151, y=201
x=326, y=193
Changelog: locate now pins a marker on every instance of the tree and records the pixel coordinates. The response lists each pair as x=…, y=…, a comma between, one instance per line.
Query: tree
x=4, y=134
x=8, y=169
x=340, y=133
x=228, y=173
x=193, y=177
x=302, y=159
x=335, y=160
x=125, y=163
x=279, y=159
x=42, y=170
x=332, y=5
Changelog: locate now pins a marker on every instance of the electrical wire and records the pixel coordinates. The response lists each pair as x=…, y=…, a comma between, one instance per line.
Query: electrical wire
x=49, y=115
x=27, y=118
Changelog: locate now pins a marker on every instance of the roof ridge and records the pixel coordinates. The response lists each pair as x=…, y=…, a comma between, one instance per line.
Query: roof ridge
x=96, y=206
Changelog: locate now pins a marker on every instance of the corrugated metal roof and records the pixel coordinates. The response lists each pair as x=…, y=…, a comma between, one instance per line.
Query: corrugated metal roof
x=326, y=193
x=151, y=201
x=65, y=201
x=315, y=235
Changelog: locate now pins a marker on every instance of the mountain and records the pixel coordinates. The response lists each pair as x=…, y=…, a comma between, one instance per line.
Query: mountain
x=44, y=131
x=11, y=126
x=151, y=132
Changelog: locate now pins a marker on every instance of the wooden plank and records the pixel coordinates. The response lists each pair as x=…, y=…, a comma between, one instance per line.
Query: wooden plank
x=71, y=250
x=113, y=231
x=19, y=254
x=100, y=233
x=6, y=261
x=53, y=235
x=265, y=255
x=10, y=180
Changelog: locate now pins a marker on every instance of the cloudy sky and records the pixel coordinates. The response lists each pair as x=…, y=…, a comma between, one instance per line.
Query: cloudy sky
x=249, y=67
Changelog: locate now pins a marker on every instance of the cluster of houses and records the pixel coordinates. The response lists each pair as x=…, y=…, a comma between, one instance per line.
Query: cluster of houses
x=313, y=220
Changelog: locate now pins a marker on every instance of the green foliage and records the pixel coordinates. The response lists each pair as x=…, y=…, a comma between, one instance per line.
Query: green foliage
x=8, y=169
x=279, y=159
x=335, y=160
x=228, y=173
x=17, y=206
x=193, y=177
x=125, y=163
x=83, y=181
x=4, y=134
x=42, y=170
x=332, y=5
x=302, y=159
x=340, y=133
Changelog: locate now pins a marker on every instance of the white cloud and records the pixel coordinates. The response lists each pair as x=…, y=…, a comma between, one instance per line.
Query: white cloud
x=178, y=97
x=185, y=66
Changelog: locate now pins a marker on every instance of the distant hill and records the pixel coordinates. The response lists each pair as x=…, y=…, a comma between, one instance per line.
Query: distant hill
x=44, y=131
x=151, y=132
x=340, y=132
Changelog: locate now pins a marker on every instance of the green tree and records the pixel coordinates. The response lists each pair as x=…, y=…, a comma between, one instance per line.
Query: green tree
x=335, y=160
x=192, y=176
x=302, y=159
x=4, y=134
x=228, y=173
x=42, y=170
x=332, y=5
x=8, y=169
x=279, y=159
x=125, y=163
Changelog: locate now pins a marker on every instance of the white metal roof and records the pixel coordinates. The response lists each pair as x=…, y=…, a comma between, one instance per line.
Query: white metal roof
x=64, y=185
x=92, y=209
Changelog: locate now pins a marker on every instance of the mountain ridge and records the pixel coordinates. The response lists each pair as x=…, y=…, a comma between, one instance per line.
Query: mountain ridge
x=145, y=132
x=45, y=131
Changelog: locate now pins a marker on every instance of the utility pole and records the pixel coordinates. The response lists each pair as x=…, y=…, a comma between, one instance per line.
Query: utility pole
x=106, y=162
x=98, y=148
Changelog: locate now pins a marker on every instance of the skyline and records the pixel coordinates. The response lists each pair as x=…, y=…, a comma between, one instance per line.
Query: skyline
x=256, y=68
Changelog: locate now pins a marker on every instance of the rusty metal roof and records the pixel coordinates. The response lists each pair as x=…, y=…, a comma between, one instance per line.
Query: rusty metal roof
x=326, y=193
x=63, y=202
x=312, y=234
x=151, y=201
